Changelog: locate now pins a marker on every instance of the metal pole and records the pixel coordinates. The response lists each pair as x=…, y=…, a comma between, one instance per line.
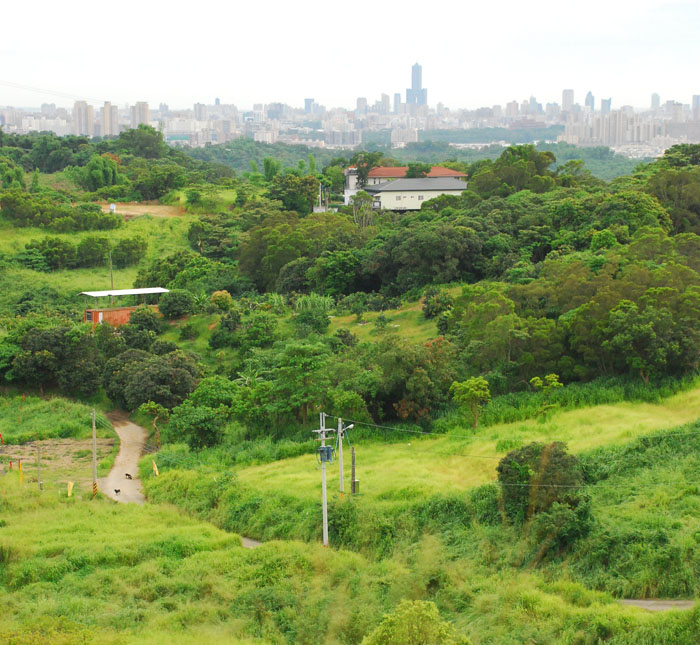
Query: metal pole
x=323, y=482
x=352, y=481
x=38, y=466
x=340, y=455
x=94, y=455
x=111, y=278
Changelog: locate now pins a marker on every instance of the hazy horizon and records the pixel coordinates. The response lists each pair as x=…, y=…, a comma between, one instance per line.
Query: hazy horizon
x=471, y=56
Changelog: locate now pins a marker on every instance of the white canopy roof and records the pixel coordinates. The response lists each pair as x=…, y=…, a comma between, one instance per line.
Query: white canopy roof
x=124, y=292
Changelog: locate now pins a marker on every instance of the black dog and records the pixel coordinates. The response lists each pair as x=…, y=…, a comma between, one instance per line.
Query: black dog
x=128, y=476
x=117, y=491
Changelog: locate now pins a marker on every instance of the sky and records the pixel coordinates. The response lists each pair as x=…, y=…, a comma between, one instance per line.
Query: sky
x=473, y=54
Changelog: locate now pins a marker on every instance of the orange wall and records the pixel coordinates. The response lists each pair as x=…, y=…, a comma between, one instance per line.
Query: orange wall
x=114, y=316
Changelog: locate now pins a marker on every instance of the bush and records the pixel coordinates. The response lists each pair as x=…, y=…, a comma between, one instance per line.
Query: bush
x=129, y=251
x=536, y=477
x=188, y=331
x=176, y=303
x=436, y=302
x=221, y=301
x=415, y=622
x=145, y=318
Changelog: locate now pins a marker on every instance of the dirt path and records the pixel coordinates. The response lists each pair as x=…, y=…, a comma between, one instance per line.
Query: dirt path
x=130, y=210
x=658, y=605
x=132, y=439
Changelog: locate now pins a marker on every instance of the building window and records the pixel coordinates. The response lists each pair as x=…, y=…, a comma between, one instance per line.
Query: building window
x=420, y=197
x=398, y=198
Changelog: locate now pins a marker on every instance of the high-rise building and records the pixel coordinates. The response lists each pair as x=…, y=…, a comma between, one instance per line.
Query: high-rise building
x=361, y=105
x=417, y=94
x=83, y=119
x=385, y=104
x=140, y=113
x=110, y=120
x=163, y=109
x=696, y=107
x=308, y=106
x=567, y=100
x=655, y=101
x=397, y=102
x=200, y=112
x=590, y=101
x=605, y=106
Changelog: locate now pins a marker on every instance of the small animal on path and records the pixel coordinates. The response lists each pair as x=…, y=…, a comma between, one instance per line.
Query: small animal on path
x=117, y=491
x=128, y=476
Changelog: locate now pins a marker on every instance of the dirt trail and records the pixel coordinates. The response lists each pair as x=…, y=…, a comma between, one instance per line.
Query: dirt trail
x=658, y=605
x=130, y=210
x=132, y=440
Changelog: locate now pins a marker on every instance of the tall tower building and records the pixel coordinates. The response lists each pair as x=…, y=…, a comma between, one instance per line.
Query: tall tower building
x=140, y=113
x=83, y=119
x=696, y=107
x=201, y=113
x=110, y=120
x=417, y=94
x=605, y=106
x=655, y=101
x=567, y=100
x=361, y=105
x=308, y=106
x=590, y=101
x=397, y=102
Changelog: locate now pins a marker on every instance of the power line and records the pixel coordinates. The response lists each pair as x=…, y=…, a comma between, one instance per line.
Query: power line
x=39, y=90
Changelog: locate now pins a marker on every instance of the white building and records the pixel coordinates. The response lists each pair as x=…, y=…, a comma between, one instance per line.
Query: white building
x=411, y=194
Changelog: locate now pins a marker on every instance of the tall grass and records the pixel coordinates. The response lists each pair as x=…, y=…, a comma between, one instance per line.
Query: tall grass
x=39, y=418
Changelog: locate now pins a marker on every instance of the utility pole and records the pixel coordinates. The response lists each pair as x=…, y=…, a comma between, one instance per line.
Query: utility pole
x=38, y=466
x=94, y=455
x=340, y=456
x=325, y=453
x=111, y=278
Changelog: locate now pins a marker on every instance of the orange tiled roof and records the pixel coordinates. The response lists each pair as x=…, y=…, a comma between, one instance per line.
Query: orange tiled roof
x=400, y=172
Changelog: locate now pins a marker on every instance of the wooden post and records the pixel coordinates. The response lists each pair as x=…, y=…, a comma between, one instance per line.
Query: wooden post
x=38, y=466
x=340, y=456
x=352, y=481
x=94, y=455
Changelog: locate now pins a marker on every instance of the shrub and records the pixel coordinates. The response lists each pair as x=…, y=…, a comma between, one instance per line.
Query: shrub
x=436, y=301
x=145, y=318
x=415, y=622
x=176, y=303
x=221, y=300
x=535, y=477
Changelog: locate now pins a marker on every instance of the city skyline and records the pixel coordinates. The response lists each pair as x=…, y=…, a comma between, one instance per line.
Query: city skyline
x=471, y=56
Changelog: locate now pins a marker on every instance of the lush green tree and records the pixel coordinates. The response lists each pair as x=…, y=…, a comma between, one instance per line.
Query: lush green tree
x=128, y=251
x=417, y=170
x=544, y=480
x=472, y=394
x=176, y=303
x=296, y=193
x=146, y=318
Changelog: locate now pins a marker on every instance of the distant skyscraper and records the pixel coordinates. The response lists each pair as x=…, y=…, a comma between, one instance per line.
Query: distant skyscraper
x=308, y=106
x=361, y=105
x=605, y=106
x=217, y=101
x=417, y=94
x=110, y=120
x=655, y=101
x=386, y=104
x=397, y=102
x=163, y=109
x=140, y=113
x=696, y=107
x=83, y=119
x=590, y=101
x=200, y=112
x=567, y=100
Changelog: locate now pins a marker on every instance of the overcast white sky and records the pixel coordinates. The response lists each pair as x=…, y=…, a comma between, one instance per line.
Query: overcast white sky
x=473, y=53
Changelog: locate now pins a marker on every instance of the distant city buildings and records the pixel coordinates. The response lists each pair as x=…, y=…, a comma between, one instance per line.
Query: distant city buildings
x=140, y=114
x=383, y=120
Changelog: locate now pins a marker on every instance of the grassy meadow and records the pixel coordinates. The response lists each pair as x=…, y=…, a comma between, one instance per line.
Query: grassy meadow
x=423, y=466
x=74, y=570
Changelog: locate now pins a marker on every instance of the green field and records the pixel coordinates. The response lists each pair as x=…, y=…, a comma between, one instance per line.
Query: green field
x=425, y=466
x=73, y=570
